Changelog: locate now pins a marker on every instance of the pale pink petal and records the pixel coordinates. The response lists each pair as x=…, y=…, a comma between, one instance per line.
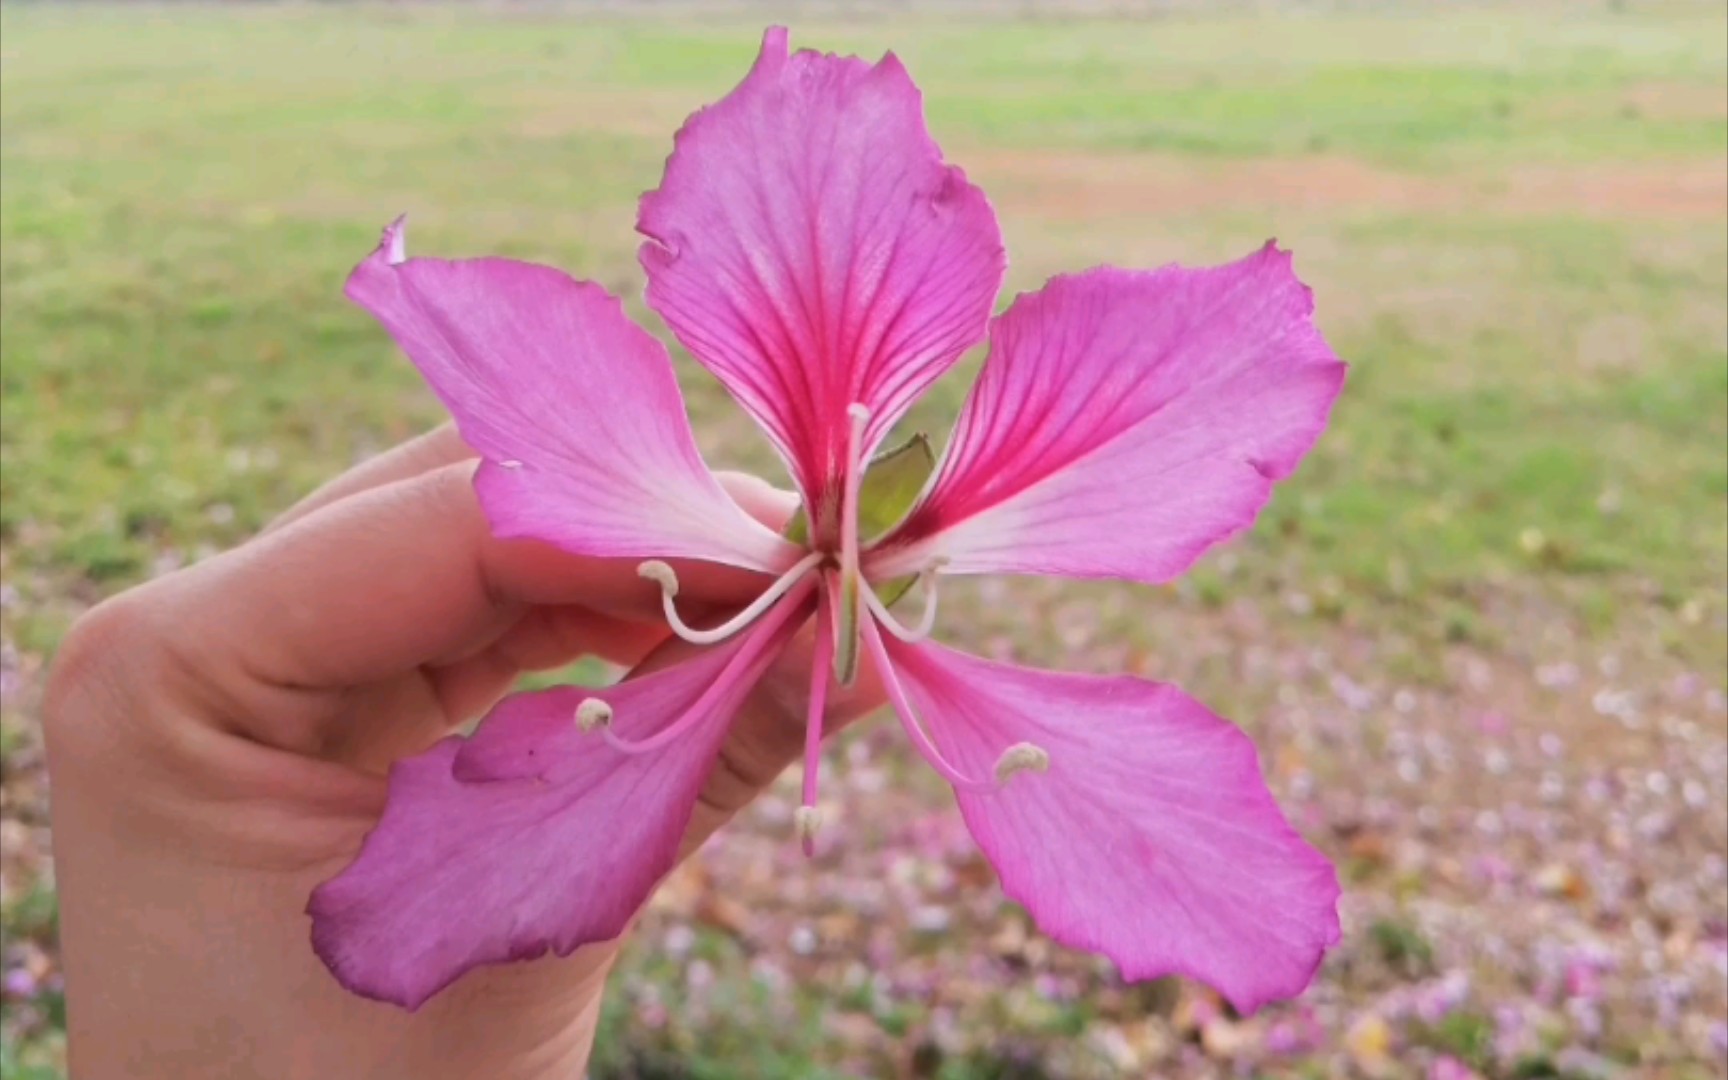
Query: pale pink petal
x=573, y=407
x=810, y=248
x=462, y=873
x=1151, y=838
x=1126, y=421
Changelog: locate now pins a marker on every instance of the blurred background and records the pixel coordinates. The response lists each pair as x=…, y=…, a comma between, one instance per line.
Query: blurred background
x=1480, y=636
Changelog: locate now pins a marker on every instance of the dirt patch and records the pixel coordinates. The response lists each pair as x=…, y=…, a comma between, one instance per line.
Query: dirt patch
x=1691, y=191
x=1087, y=186
x=1677, y=100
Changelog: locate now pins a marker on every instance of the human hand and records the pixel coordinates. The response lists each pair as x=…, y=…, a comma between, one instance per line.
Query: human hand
x=218, y=740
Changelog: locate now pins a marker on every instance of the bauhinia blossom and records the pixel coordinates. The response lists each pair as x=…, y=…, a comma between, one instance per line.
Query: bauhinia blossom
x=809, y=246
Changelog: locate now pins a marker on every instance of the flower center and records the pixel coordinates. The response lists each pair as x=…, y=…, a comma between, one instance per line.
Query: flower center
x=843, y=633
x=855, y=592
x=752, y=658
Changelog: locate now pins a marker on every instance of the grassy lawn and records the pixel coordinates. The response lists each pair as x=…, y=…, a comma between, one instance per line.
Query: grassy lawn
x=1481, y=634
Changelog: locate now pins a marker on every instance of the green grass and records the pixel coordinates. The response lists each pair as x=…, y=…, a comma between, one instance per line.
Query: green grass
x=1538, y=406
x=182, y=202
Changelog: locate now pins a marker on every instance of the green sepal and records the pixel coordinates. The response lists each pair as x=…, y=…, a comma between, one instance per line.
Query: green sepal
x=892, y=483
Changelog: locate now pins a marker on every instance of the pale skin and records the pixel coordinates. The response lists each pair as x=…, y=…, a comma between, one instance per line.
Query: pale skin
x=217, y=744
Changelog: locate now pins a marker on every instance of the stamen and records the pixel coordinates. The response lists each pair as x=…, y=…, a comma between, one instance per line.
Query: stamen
x=593, y=713
x=660, y=574
x=807, y=820
x=824, y=658
x=744, y=664
x=664, y=576
x=926, y=622
x=909, y=719
x=1021, y=757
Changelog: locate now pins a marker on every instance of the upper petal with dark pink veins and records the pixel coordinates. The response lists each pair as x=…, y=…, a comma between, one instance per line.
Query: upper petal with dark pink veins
x=573, y=407
x=461, y=873
x=1151, y=838
x=811, y=249
x=1126, y=421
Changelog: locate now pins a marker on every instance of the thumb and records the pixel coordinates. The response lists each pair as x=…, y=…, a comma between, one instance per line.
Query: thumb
x=763, y=501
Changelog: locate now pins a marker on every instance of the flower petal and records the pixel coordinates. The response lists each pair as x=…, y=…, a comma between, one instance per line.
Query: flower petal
x=573, y=406
x=1151, y=837
x=460, y=873
x=1125, y=422
x=534, y=735
x=811, y=249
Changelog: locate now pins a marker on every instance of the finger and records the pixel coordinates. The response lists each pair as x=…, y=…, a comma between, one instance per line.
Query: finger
x=770, y=505
x=434, y=449
x=442, y=446
x=402, y=716
x=548, y=637
x=545, y=637
x=386, y=581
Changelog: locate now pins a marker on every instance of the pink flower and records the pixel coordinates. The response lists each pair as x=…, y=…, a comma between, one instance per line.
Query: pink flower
x=1447, y=1067
x=809, y=246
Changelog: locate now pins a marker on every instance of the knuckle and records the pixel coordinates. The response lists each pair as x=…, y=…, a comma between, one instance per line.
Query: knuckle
x=91, y=661
x=443, y=494
x=95, y=639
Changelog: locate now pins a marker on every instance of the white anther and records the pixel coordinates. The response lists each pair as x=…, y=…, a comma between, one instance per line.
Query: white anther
x=510, y=463
x=593, y=713
x=807, y=820
x=859, y=413
x=1019, y=758
x=660, y=574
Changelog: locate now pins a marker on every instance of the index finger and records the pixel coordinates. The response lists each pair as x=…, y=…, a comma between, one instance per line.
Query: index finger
x=386, y=580
x=424, y=452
